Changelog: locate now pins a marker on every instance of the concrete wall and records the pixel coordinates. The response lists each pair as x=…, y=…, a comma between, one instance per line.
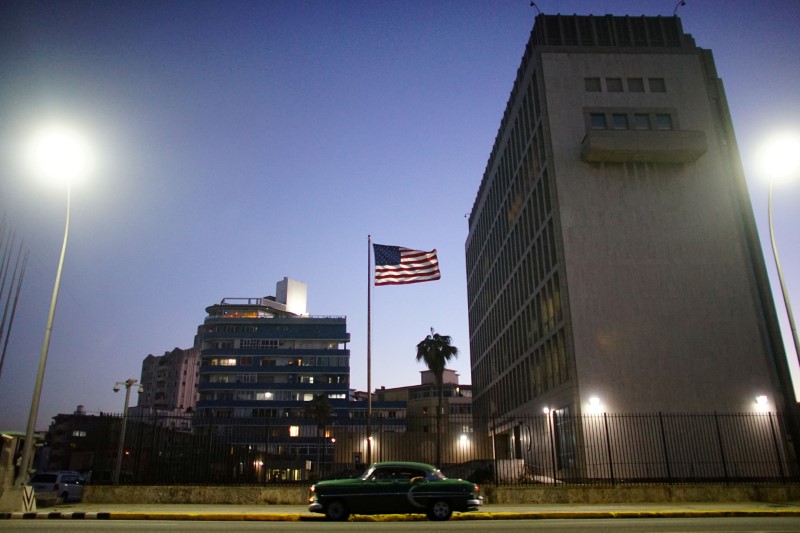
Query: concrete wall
x=665, y=315
x=298, y=495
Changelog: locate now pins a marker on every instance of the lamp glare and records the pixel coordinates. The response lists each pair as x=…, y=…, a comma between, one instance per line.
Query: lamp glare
x=779, y=157
x=59, y=154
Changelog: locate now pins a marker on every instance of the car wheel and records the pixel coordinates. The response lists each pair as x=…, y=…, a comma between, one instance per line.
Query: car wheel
x=440, y=511
x=63, y=497
x=337, y=511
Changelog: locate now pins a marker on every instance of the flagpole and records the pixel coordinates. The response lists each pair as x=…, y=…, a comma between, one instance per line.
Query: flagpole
x=369, y=350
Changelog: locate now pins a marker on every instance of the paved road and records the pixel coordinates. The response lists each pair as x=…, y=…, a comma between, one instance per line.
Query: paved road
x=728, y=525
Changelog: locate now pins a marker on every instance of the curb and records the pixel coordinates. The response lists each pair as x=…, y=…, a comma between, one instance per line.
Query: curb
x=287, y=517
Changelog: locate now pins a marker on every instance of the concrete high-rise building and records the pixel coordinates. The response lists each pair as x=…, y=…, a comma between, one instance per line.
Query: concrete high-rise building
x=169, y=382
x=263, y=361
x=613, y=261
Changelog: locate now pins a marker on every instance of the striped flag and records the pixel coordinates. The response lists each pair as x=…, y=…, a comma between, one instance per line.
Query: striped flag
x=395, y=265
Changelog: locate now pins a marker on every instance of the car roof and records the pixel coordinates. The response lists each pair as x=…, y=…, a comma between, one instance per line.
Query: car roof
x=423, y=466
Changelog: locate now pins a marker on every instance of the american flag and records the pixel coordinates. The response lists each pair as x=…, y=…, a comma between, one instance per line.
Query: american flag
x=395, y=265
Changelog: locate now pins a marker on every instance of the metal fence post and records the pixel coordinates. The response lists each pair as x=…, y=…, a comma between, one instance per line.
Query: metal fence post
x=721, y=447
x=608, y=448
x=552, y=424
x=664, y=445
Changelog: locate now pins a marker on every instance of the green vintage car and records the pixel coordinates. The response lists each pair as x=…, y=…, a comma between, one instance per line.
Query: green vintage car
x=392, y=488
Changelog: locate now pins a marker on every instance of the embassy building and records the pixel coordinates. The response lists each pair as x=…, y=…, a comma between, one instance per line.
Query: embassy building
x=613, y=263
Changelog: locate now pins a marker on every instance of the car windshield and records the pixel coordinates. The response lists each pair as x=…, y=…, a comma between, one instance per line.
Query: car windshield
x=43, y=478
x=437, y=474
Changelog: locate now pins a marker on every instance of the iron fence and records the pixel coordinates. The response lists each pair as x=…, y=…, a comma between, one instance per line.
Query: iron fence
x=546, y=449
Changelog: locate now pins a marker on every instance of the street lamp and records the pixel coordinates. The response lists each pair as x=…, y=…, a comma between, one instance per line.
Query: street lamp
x=55, y=153
x=780, y=160
x=128, y=383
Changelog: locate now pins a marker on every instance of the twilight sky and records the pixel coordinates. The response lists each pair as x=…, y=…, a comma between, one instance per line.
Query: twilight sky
x=245, y=141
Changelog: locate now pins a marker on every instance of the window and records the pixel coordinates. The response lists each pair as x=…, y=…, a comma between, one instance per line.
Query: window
x=614, y=85
x=597, y=121
x=657, y=85
x=636, y=85
x=663, y=121
x=592, y=85
x=619, y=121
x=230, y=361
x=294, y=431
x=641, y=121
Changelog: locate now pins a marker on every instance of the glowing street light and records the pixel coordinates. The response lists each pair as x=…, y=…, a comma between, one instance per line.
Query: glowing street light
x=59, y=154
x=780, y=161
x=55, y=153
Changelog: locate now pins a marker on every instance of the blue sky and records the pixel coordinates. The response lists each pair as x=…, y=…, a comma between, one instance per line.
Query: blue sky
x=242, y=142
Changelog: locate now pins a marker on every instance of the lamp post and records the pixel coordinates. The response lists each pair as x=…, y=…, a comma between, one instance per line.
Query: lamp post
x=128, y=383
x=780, y=159
x=57, y=154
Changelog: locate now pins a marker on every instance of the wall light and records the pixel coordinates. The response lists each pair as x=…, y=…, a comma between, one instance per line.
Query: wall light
x=762, y=404
x=594, y=407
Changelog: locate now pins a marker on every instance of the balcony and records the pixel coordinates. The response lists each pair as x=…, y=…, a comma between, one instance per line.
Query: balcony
x=646, y=146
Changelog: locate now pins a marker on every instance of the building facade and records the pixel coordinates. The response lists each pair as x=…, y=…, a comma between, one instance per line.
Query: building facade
x=613, y=263
x=169, y=382
x=263, y=361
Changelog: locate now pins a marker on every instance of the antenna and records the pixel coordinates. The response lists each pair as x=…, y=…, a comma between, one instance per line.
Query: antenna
x=534, y=6
x=679, y=4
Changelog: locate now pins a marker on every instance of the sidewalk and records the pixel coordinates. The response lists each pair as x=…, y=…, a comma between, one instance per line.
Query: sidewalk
x=487, y=512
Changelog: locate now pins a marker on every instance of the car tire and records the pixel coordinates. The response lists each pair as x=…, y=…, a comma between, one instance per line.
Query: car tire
x=440, y=511
x=337, y=511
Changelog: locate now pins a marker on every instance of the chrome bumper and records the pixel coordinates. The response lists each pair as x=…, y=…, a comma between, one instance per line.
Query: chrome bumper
x=476, y=502
x=315, y=507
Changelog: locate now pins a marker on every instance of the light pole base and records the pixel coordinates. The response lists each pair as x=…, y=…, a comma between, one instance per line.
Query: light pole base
x=18, y=499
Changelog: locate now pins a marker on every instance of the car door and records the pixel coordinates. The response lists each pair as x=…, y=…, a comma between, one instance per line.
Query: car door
x=410, y=485
x=385, y=493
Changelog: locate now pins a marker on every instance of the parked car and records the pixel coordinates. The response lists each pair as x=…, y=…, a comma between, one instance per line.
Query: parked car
x=67, y=485
x=392, y=488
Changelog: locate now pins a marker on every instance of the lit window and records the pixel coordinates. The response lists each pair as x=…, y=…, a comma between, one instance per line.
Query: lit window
x=657, y=85
x=614, y=85
x=663, y=121
x=641, y=121
x=592, y=85
x=619, y=121
x=231, y=361
x=636, y=85
x=598, y=121
x=294, y=431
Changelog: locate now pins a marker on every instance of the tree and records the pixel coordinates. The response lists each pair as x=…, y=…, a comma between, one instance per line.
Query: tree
x=319, y=410
x=436, y=351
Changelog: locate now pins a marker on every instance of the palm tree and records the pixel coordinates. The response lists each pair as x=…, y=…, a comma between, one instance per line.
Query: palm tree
x=319, y=410
x=435, y=351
